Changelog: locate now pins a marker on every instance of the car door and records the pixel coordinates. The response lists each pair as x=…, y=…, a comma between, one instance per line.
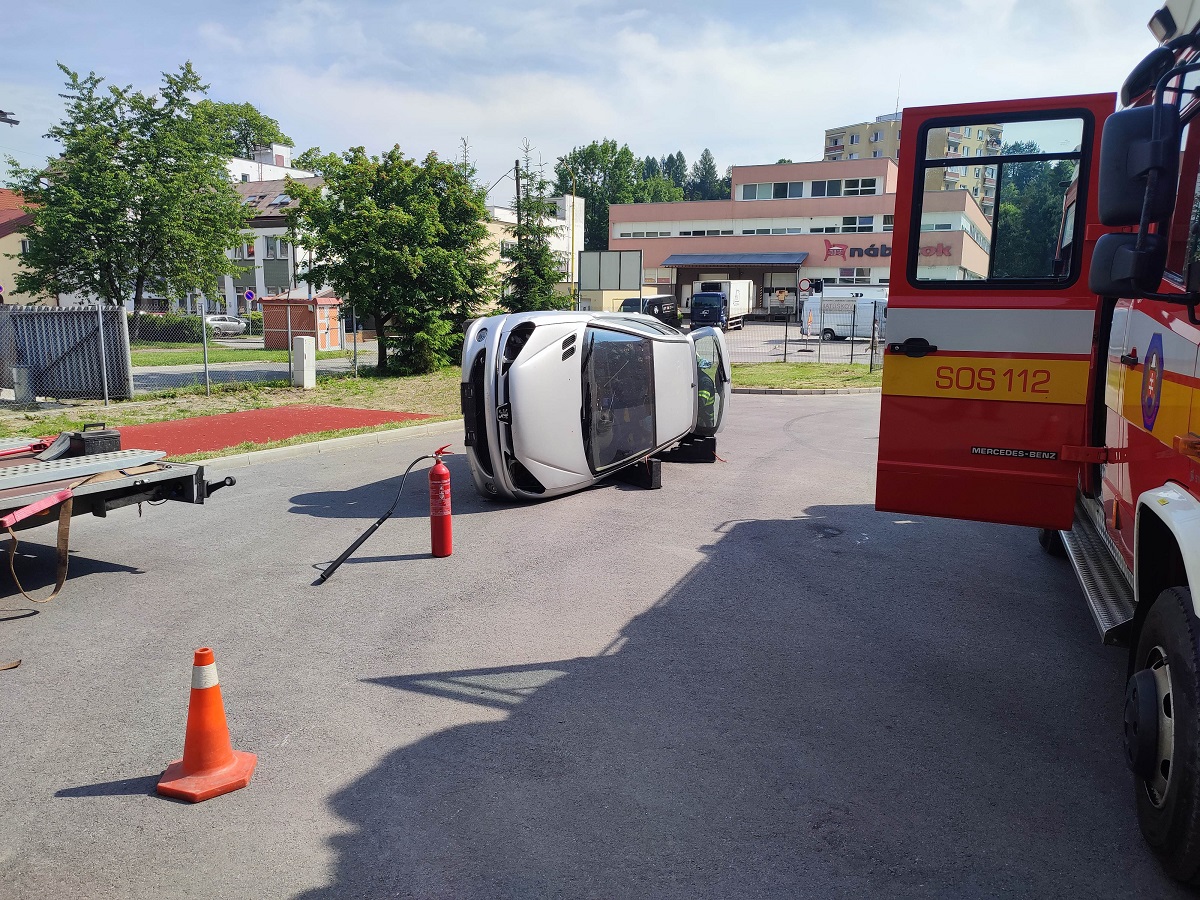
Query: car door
x=713, y=379
x=991, y=325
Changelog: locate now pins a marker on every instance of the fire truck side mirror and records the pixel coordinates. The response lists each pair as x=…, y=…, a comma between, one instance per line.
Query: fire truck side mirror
x=1134, y=146
x=1120, y=269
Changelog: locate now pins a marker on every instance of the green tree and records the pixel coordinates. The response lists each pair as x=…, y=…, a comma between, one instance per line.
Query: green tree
x=674, y=167
x=242, y=126
x=656, y=190
x=1029, y=213
x=604, y=174
x=704, y=183
x=138, y=202
x=310, y=159
x=651, y=168
x=402, y=241
x=533, y=268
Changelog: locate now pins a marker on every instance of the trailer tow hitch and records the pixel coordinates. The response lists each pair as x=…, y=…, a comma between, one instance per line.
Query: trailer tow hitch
x=211, y=487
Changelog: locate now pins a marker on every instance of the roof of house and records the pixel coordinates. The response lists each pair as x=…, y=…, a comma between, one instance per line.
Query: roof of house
x=270, y=198
x=12, y=217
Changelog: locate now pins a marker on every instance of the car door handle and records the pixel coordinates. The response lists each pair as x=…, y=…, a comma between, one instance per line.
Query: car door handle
x=1129, y=359
x=913, y=347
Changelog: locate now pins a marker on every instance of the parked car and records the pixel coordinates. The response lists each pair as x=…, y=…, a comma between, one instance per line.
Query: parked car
x=224, y=326
x=555, y=401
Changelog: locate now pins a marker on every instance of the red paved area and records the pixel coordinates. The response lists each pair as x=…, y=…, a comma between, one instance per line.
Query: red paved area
x=208, y=433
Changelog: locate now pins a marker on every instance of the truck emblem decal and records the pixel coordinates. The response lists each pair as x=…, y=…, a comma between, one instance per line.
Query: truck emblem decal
x=1152, y=375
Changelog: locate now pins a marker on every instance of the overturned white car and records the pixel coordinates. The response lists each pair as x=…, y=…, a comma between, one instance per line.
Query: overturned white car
x=554, y=401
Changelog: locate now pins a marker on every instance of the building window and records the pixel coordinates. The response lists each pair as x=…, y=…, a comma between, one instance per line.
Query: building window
x=24, y=247
x=853, y=276
x=828, y=188
x=855, y=138
x=778, y=231
x=627, y=234
x=277, y=248
x=795, y=230
x=795, y=189
x=853, y=156
x=876, y=137
x=859, y=187
x=875, y=154
x=749, y=191
x=858, y=223
x=888, y=222
x=979, y=134
x=245, y=177
x=779, y=191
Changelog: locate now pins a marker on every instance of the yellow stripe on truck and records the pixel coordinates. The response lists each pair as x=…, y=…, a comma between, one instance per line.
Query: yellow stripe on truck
x=987, y=378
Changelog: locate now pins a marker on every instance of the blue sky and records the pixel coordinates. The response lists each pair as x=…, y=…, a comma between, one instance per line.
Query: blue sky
x=753, y=81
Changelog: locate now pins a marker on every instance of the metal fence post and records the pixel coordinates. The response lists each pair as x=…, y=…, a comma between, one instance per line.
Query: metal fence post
x=820, y=327
x=785, y=335
x=288, y=305
x=204, y=342
x=853, y=329
x=354, y=325
x=103, y=357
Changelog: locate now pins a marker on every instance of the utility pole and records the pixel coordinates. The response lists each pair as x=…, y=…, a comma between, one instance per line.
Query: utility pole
x=517, y=178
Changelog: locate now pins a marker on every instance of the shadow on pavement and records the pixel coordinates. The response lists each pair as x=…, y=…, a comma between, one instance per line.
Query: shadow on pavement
x=37, y=565
x=124, y=787
x=799, y=716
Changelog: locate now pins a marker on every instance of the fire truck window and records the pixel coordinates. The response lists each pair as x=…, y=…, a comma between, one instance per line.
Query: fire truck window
x=1007, y=215
x=1183, y=246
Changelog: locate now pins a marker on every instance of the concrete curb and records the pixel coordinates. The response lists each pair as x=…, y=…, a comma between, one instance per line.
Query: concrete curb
x=330, y=445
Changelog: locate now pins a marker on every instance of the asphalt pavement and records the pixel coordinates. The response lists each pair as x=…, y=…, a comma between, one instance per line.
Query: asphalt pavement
x=746, y=684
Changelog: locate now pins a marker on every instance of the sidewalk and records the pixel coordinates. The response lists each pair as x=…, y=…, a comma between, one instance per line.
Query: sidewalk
x=205, y=434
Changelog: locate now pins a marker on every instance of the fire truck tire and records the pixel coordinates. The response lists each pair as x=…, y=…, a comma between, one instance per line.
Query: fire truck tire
x=1052, y=542
x=1168, y=803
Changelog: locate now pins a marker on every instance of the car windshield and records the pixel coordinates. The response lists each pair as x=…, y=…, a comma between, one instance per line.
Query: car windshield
x=633, y=305
x=618, y=397
x=706, y=301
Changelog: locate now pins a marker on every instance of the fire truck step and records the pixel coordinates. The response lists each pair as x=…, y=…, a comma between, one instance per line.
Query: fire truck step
x=1105, y=584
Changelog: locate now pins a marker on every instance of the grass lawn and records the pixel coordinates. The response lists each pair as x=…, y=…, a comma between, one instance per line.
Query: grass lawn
x=189, y=354
x=805, y=375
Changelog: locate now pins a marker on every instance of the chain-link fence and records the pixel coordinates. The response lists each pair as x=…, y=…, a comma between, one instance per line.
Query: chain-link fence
x=106, y=353
x=837, y=332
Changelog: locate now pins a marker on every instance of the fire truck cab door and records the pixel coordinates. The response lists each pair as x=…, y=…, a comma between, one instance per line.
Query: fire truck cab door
x=988, y=367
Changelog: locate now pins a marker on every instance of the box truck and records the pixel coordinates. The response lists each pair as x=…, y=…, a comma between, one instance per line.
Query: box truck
x=721, y=304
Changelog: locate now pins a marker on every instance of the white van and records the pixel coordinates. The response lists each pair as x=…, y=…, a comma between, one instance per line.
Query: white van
x=843, y=313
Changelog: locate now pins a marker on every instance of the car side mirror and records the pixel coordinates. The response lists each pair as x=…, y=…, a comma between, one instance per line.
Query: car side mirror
x=1120, y=269
x=1135, y=144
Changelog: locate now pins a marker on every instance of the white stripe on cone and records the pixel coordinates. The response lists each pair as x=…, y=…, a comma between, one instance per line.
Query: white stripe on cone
x=204, y=676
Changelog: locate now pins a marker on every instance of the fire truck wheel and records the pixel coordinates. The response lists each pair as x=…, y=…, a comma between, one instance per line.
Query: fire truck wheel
x=1168, y=801
x=1052, y=542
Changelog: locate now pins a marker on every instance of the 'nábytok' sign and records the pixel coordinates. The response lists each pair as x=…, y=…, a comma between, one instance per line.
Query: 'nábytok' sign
x=873, y=251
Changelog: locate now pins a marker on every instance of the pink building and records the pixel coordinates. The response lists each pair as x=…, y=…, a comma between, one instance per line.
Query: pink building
x=830, y=220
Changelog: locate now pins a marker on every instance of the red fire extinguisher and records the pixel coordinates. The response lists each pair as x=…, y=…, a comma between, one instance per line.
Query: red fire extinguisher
x=440, y=532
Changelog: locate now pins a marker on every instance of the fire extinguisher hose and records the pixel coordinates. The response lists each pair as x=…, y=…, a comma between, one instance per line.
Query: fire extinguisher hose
x=333, y=566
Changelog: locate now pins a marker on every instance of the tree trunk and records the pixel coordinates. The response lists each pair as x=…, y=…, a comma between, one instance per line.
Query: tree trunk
x=381, y=364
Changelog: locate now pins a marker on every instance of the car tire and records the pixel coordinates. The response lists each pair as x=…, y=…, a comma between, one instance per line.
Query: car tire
x=1051, y=541
x=1168, y=802
x=828, y=335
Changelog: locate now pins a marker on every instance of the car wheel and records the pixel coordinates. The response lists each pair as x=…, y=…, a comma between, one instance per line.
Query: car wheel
x=1162, y=746
x=828, y=335
x=1052, y=542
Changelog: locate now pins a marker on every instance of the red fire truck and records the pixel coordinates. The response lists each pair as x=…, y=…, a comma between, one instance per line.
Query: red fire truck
x=1048, y=375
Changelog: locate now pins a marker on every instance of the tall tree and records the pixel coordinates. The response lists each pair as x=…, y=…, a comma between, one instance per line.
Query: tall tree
x=310, y=159
x=674, y=166
x=533, y=268
x=656, y=190
x=241, y=126
x=402, y=241
x=704, y=182
x=651, y=168
x=138, y=202
x=602, y=173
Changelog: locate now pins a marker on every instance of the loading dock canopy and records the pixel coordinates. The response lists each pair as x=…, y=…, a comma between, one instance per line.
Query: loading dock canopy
x=715, y=260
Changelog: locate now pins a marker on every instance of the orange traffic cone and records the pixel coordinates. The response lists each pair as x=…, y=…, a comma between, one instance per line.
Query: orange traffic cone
x=210, y=766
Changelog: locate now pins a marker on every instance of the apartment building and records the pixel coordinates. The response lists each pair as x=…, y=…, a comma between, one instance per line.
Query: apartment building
x=971, y=144
x=830, y=220
x=565, y=242
x=866, y=140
